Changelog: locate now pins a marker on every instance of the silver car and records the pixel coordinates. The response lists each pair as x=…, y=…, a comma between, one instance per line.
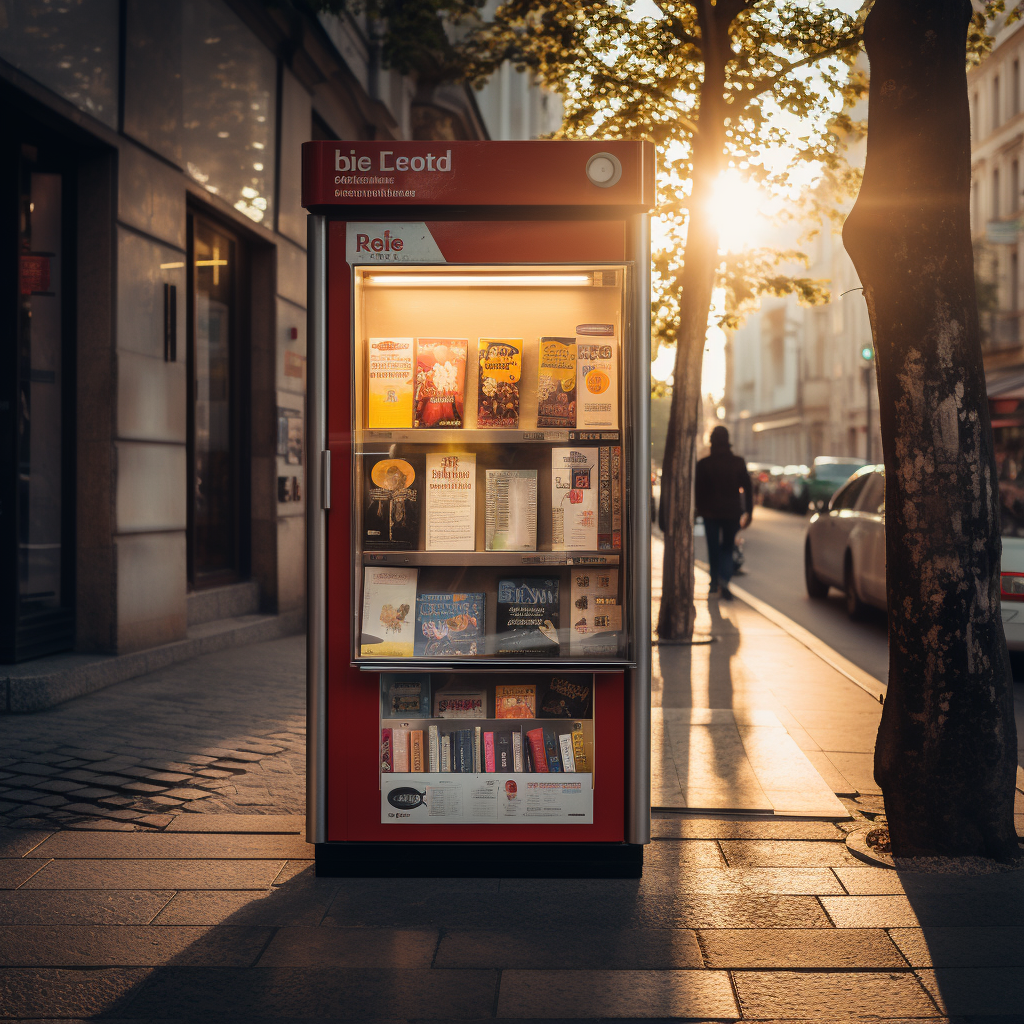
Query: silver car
x=845, y=548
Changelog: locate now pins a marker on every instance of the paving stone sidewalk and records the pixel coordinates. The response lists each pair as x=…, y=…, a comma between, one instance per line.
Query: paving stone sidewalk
x=222, y=733
x=180, y=915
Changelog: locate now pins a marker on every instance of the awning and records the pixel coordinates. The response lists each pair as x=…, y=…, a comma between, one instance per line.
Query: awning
x=1007, y=382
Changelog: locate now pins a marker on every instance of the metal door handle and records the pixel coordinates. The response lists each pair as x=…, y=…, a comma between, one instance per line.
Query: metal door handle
x=325, y=479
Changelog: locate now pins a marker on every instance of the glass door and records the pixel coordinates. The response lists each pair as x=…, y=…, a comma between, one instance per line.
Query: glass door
x=37, y=485
x=213, y=415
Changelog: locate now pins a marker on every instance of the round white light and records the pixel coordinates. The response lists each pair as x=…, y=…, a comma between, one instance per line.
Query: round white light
x=604, y=170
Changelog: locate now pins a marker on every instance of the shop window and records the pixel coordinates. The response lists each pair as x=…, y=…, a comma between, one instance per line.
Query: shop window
x=70, y=47
x=36, y=412
x=229, y=109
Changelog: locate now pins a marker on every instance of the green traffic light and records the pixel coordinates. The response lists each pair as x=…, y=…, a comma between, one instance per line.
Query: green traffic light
x=867, y=353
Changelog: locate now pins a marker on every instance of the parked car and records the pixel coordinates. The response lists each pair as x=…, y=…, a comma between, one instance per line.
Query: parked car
x=814, y=489
x=845, y=547
x=759, y=475
x=779, y=488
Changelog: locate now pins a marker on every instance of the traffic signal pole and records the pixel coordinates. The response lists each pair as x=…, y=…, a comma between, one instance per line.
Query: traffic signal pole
x=867, y=353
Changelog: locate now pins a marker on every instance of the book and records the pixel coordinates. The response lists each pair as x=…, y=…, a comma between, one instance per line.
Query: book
x=406, y=694
x=389, y=597
x=517, y=750
x=596, y=614
x=579, y=754
x=400, y=743
x=440, y=382
x=565, y=749
x=387, y=762
x=515, y=700
x=527, y=616
x=501, y=366
x=450, y=486
x=489, y=751
x=389, y=371
x=573, y=499
x=446, y=752
x=449, y=625
x=477, y=751
x=566, y=696
x=551, y=751
x=433, y=749
x=460, y=700
x=503, y=750
x=556, y=383
x=604, y=499
x=538, y=759
x=616, y=488
x=391, y=516
x=596, y=378
x=510, y=510
x=465, y=752
x=416, y=759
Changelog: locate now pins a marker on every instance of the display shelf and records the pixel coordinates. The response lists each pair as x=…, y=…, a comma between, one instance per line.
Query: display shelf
x=495, y=558
x=474, y=435
x=487, y=663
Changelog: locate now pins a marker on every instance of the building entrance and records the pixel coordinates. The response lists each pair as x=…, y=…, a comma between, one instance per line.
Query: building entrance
x=36, y=404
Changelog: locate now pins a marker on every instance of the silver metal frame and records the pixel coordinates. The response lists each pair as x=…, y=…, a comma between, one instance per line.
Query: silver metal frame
x=638, y=698
x=318, y=489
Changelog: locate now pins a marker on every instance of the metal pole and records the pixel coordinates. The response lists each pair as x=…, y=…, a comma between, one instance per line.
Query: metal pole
x=317, y=491
x=638, y=731
x=867, y=414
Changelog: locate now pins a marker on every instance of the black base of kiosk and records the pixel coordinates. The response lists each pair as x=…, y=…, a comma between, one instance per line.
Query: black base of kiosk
x=479, y=860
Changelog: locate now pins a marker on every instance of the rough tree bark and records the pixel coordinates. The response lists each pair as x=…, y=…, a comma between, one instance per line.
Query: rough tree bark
x=945, y=757
x=697, y=283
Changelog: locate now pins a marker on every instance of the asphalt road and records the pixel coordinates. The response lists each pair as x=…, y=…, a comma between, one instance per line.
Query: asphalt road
x=773, y=549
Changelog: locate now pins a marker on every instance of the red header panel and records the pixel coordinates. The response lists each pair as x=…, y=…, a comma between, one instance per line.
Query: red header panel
x=601, y=174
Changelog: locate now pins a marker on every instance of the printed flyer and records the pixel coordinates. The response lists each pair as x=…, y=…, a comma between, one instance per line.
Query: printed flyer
x=451, y=501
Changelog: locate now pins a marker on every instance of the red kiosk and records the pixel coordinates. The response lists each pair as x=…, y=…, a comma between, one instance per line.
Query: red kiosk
x=478, y=507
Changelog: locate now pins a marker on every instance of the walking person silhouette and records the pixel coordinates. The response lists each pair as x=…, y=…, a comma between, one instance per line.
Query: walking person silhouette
x=718, y=483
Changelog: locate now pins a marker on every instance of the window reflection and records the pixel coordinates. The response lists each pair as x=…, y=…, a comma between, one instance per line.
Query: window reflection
x=229, y=92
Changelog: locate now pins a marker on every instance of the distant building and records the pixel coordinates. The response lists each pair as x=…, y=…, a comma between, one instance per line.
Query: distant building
x=152, y=384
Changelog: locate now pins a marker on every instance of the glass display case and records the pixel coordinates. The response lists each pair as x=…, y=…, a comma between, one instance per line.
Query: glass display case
x=489, y=470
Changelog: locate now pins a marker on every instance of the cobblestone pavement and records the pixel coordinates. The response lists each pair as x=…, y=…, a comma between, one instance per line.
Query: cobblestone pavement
x=223, y=733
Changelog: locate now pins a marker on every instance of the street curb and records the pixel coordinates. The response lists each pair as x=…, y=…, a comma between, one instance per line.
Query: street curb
x=867, y=682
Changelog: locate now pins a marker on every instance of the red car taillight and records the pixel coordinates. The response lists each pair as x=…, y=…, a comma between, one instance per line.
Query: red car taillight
x=1011, y=586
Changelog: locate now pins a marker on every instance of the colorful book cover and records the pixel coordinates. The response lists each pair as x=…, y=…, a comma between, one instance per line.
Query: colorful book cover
x=616, y=464
x=406, y=694
x=597, y=377
x=566, y=696
x=387, y=760
x=596, y=613
x=449, y=625
x=416, y=759
x=391, y=517
x=389, y=600
x=574, y=488
x=389, y=370
x=489, y=752
x=551, y=751
x=517, y=750
x=501, y=366
x=460, y=700
x=565, y=749
x=556, y=384
x=478, y=758
x=527, y=616
x=503, y=750
x=527, y=754
x=604, y=499
x=538, y=758
x=450, y=487
x=510, y=510
x=440, y=382
x=433, y=749
x=515, y=700
x=400, y=743
x=579, y=754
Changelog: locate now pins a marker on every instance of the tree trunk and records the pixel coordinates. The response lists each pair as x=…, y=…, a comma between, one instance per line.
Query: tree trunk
x=945, y=757
x=697, y=283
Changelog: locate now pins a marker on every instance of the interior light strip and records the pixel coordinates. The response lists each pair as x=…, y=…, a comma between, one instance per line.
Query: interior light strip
x=480, y=280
